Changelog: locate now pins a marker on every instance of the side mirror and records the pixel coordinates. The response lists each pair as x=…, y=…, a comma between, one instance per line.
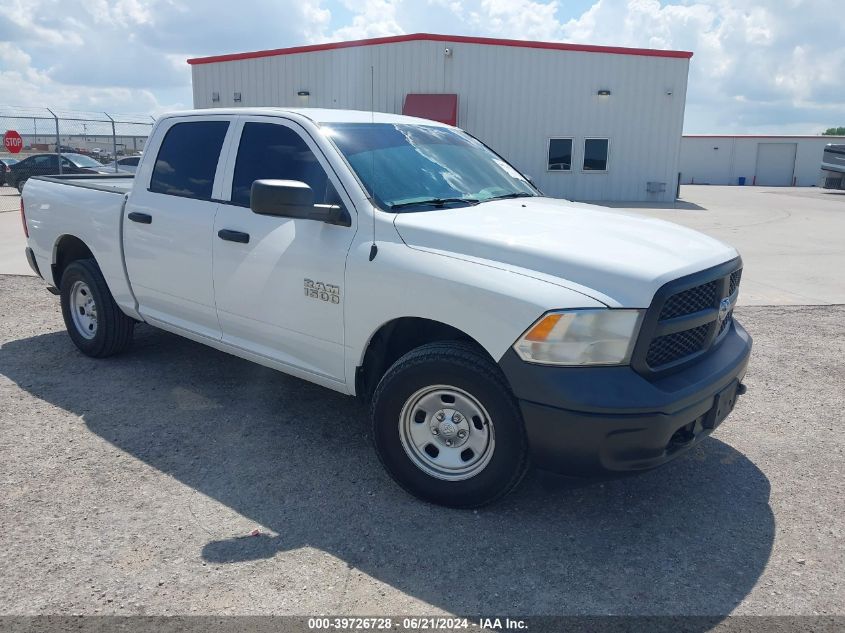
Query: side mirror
x=293, y=199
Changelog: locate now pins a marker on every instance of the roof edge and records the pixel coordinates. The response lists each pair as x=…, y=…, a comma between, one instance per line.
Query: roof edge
x=432, y=37
x=819, y=136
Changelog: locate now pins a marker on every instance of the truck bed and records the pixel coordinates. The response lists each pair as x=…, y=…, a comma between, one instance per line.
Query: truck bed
x=118, y=183
x=80, y=207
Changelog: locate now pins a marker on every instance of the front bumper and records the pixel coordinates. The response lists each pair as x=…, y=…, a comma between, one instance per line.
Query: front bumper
x=594, y=421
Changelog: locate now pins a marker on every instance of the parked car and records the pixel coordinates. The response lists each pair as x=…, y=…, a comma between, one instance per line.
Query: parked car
x=402, y=261
x=128, y=164
x=5, y=167
x=48, y=164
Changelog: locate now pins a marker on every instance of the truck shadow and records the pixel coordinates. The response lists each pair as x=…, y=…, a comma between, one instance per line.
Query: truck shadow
x=690, y=538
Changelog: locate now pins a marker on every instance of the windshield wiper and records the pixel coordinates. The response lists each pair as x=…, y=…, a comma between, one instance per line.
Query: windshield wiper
x=437, y=202
x=521, y=194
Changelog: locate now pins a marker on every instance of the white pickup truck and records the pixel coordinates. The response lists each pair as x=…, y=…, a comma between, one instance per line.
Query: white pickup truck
x=402, y=261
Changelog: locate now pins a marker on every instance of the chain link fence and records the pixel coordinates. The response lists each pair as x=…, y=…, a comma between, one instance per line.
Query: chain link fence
x=81, y=141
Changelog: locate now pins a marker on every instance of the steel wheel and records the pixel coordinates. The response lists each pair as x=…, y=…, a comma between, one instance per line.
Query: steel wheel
x=446, y=432
x=83, y=309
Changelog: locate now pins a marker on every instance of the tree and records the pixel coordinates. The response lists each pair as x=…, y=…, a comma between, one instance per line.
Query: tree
x=834, y=131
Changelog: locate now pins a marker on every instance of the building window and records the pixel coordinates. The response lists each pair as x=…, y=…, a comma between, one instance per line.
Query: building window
x=560, y=154
x=596, y=151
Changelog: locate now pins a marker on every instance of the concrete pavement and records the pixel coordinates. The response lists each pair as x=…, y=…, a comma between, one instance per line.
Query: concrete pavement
x=12, y=240
x=792, y=240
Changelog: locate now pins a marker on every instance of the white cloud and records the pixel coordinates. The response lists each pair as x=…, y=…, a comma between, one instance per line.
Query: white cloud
x=764, y=65
x=517, y=18
x=373, y=18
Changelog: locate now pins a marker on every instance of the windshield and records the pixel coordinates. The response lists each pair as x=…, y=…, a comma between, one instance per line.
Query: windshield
x=81, y=160
x=418, y=167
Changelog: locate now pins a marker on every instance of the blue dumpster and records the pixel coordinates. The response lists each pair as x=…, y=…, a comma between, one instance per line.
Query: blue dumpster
x=742, y=181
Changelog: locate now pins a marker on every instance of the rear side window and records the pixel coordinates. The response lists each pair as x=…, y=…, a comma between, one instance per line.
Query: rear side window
x=45, y=161
x=188, y=158
x=132, y=162
x=272, y=151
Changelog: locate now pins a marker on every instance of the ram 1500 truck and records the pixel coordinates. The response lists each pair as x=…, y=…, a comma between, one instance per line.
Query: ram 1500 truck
x=402, y=261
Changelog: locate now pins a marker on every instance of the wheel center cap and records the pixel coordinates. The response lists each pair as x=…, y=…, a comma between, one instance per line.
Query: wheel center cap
x=448, y=429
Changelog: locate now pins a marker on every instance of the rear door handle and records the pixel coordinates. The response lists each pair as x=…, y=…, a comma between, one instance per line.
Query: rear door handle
x=233, y=236
x=141, y=218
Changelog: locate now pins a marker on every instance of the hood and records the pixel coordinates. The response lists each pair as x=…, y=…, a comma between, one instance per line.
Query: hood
x=618, y=258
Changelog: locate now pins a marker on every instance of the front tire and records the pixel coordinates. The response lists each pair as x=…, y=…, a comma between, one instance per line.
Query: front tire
x=95, y=323
x=20, y=185
x=447, y=428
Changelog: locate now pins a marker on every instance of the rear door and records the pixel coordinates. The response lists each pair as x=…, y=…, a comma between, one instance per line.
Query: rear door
x=280, y=295
x=43, y=165
x=169, y=221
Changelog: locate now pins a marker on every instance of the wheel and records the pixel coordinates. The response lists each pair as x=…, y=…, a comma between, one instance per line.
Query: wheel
x=447, y=427
x=21, y=183
x=95, y=323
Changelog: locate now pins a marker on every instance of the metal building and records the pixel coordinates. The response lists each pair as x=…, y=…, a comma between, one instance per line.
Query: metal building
x=774, y=161
x=584, y=122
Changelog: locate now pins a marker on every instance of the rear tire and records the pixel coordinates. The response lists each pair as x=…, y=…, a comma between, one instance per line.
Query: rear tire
x=95, y=323
x=447, y=427
x=20, y=185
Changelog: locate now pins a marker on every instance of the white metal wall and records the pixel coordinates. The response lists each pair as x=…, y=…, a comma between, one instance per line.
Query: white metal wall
x=512, y=98
x=722, y=160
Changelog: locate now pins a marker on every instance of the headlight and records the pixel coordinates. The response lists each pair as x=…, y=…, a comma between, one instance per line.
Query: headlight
x=581, y=337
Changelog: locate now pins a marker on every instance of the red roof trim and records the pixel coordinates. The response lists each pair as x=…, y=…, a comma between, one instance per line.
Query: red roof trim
x=430, y=37
x=819, y=136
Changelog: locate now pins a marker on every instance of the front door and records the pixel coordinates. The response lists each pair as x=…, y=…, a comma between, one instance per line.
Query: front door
x=280, y=294
x=168, y=226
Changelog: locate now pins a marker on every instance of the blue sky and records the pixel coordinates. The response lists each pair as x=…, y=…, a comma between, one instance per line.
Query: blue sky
x=770, y=66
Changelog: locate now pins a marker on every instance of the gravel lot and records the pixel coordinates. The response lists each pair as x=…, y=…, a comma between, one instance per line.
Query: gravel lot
x=129, y=486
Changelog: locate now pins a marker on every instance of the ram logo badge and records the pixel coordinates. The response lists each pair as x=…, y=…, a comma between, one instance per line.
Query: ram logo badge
x=321, y=291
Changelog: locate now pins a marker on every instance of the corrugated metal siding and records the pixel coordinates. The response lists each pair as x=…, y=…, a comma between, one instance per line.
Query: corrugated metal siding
x=514, y=99
x=736, y=156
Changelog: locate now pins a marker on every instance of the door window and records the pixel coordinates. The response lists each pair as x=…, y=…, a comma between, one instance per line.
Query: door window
x=187, y=161
x=272, y=151
x=44, y=162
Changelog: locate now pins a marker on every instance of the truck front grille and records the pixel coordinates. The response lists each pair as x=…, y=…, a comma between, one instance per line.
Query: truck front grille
x=735, y=276
x=689, y=301
x=685, y=320
x=669, y=348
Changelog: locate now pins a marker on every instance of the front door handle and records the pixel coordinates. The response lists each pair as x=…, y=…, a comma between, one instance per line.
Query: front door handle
x=233, y=236
x=141, y=218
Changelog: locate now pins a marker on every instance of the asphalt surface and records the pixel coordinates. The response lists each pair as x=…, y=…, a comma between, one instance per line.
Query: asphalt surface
x=129, y=486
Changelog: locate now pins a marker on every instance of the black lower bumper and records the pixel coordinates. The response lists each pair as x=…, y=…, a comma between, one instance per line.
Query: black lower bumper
x=593, y=421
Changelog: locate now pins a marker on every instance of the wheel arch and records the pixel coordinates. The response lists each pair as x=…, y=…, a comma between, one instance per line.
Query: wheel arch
x=68, y=248
x=395, y=338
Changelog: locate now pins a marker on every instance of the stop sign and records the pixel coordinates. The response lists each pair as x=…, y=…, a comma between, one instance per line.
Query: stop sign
x=13, y=141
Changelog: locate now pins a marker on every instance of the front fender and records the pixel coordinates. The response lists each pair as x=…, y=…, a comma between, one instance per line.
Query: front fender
x=489, y=304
